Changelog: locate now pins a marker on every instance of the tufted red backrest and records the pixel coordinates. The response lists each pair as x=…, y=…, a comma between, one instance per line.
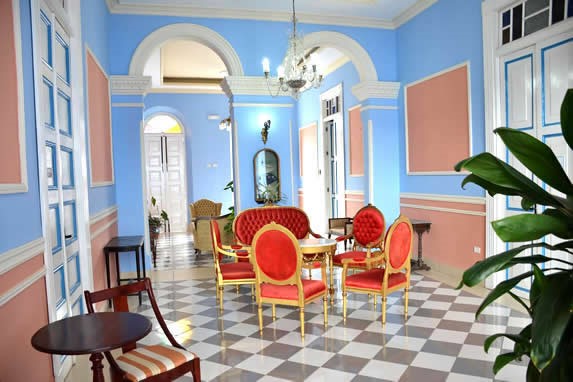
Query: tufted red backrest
x=248, y=222
x=368, y=226
x=399, y=240
x=276, y=254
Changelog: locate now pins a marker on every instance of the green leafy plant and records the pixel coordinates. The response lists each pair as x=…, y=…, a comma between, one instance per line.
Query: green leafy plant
x=548, y=340
x=156, y=221
x=269, y=193
x=229, y=225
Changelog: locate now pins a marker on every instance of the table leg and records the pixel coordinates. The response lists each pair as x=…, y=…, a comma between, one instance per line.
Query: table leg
x=117, y=268
x=97, y=367
x=143, y=259
x=419, y=264
x=138, y=272
x=106, y=254
x=331, y=281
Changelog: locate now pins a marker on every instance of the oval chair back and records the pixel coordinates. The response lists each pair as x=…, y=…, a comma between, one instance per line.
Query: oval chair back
x=398, y=245
x=369, y=226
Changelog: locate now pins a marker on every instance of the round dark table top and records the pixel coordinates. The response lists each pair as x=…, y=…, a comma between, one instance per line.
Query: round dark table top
x=91, y=333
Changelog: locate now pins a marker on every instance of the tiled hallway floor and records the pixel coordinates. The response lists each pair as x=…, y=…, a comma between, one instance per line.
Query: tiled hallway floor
x=440, y=341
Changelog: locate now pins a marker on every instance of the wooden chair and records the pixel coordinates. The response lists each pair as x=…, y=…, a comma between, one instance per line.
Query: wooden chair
x=145, y=363
x=277, y=261
x=235, y=273
x=383, y=281
x=340, y=227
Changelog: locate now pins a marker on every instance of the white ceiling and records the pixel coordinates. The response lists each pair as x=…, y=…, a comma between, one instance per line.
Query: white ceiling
x=373, y=13
x=190, y=59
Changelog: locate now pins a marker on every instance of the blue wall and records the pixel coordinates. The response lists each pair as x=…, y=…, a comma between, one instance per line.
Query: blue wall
x=95, y=26
x=205, y=143
x=20, y=218
x=446, y=34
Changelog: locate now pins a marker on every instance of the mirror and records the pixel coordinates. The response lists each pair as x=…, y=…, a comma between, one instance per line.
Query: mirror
x=267, y=179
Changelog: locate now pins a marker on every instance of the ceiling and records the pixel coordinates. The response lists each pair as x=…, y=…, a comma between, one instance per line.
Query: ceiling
x=368, y=13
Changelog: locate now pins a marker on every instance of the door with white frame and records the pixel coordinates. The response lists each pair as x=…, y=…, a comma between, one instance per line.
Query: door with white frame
x=164, y=142
x=533, y=82
x=61, y=144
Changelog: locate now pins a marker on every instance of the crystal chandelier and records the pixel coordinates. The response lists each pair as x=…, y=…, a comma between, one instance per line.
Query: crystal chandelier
x=293, y=75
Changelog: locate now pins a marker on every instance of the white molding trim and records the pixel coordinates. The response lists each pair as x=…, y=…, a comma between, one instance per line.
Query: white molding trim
x=19, y=255
x=14, y=188
x=291, y=161
x=235, y=164
x=355, y=107
x=103, y=228
x=115, y=7
x=248, y=85
x=132, y=85
x=443, y=209
x=185, y=90
x=22, y=286
x=101, y=184
x=444, y=198
x=370, y=163
x=187, y=31
x=470, y=127
x=378, y=107
x=103, y=214
x=376, y=89
x=418, y=7
x=354, y=192
x=128, y=104
x=244, y=104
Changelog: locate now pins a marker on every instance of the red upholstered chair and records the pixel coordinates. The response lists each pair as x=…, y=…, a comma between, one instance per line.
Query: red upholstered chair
x=278, y=260
x=368, y=235
x=235, y=273
x=150, y=363
x=394, y=276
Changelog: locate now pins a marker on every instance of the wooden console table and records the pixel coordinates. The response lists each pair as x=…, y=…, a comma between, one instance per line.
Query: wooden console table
x=420, y=226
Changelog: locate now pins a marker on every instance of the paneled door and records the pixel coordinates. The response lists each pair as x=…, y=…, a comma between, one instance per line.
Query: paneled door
x=533, y=83
x=166, y=180
x=58, y=157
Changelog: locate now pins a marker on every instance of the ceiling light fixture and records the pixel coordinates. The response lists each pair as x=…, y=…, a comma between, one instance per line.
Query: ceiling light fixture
x=293, y=74
x=225, y=124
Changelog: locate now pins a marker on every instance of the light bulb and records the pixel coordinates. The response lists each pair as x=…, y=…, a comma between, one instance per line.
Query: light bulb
x=266, y=65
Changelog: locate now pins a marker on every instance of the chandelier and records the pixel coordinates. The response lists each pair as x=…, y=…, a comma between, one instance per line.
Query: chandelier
x=293, y=75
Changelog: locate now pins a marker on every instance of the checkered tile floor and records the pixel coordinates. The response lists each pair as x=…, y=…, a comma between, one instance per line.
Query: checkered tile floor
x=440, y=341
x=176, y=251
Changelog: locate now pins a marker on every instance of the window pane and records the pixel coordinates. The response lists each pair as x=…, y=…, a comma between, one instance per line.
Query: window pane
x=51, y=168
x=537, y=22
x=46, y=39
x=62, y=58
x=532, y=6
x=70, y=222
x=74, y=272
x=47, y=104
x=505, y=36
x=64, y=114
x=54, y=229
x=557, y=11
x=67, y=168
x=59, y=286
x=570, y=9
x=517, y=17
x=506, y=18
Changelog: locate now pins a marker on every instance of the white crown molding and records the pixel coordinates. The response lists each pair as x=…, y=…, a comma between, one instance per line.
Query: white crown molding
x=19, y=255
x=102, y=214
x=418, y=7
x=185, y=90
x=137, y=85
x=376, y=89
x=444, y=198
x=442, y=209
x=248, y=85
x=22, y=286
x=377, y=107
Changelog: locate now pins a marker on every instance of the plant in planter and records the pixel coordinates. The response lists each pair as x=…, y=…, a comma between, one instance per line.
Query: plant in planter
x=155, y=222
x=548, y=340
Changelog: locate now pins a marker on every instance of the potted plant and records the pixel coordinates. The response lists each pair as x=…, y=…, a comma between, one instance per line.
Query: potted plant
x=231, y=216
x=155, y=222
x=548, y=339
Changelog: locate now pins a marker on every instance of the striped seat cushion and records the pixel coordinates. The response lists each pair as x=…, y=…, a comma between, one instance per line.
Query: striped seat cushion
x=147, y=361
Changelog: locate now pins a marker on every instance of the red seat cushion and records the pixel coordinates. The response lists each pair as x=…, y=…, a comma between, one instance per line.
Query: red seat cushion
x=358, y=255
x=235, y=271
x=290, y=292
x=373, y=279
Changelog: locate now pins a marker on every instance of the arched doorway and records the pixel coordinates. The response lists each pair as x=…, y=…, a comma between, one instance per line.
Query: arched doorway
x=165, y=168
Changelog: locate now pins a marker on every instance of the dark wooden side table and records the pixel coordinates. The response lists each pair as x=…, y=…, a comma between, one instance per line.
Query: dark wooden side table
x=91, y=334
x=125, y=244
x=420, y=226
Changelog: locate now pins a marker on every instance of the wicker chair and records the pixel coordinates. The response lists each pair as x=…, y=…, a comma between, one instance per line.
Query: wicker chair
x=202, y=212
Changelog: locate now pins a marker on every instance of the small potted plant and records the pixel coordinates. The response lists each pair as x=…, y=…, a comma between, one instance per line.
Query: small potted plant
x=155, y=222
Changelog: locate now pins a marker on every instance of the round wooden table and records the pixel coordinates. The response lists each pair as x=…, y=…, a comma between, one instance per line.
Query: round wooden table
x=314, y=250
x=91, y=334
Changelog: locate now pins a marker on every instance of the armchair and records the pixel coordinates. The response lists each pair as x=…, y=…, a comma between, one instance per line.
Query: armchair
x=202, y=212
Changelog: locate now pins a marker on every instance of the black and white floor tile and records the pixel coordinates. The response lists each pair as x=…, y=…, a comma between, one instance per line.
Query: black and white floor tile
x=440, y=341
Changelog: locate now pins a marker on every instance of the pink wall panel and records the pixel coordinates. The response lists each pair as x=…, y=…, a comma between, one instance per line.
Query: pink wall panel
x=99, y=123
x=438, y=121
x=15, y=276
x=452, y=237
x=23, y=316
x=308, y=146
x=301, y=199
x=98, y=258
x=10, y=142
x=356, y=142
x=353, y=203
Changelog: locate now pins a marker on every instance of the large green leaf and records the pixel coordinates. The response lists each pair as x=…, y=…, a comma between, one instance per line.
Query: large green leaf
x=514, y=337
x=528, y=227
x=553, y=313
x=537, y=157
x=501, y=289
x=491, y=188
x=567, y=118
x=493, y=170
x=503, y=359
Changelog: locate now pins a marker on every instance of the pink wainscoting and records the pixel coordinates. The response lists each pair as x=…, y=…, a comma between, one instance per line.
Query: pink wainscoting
x=308, y=150
x=353, y=202
x=453, y=235
x=99, y=240
x=356, y=143
x=10, y=142
x=301, y=199
x=99, y=123
x=438, y=121
x=20, y=318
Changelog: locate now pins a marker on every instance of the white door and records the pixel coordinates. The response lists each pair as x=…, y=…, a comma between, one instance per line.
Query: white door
x=533, y=83
x=166, y=180
x=59, y=148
